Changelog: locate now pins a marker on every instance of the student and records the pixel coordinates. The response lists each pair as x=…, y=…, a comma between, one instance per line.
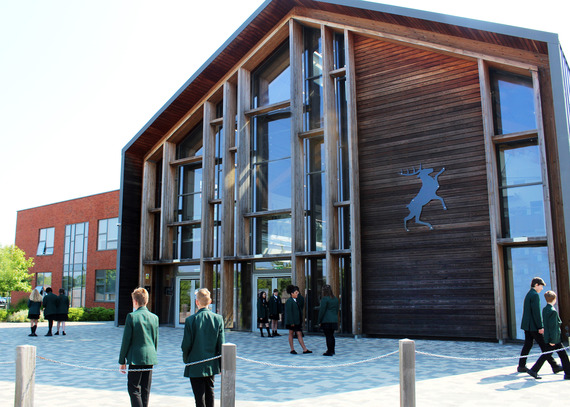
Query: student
x=552, y=337
x=138, y=348
x=62, y=311
x=532, y=325
x=263, y=313
x=50, y=308
x=294, y=319
x=34, y=305
x=203, y=339
x=275, y=311
x=328, y=318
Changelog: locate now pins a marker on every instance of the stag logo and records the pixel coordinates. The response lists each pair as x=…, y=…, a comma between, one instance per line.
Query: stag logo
x=427, y=194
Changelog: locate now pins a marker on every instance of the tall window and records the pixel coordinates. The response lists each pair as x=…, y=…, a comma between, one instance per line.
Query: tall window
x=45, y=244
x=75, y=262
x=108, y=234
x=271, y=156
x=43, y=279
x=105, y=282
x=521, y=190
x=313, y=78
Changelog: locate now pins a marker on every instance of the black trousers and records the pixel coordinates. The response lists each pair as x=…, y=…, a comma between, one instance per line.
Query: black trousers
x=203, y=389
x=138, y=385
x=329, y=336
x=529, y=338
x=561, y=354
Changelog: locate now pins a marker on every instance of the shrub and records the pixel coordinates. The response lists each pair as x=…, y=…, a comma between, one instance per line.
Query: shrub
x=75, y=314
x=21, y=316
x=98, y=314
x=3, y=314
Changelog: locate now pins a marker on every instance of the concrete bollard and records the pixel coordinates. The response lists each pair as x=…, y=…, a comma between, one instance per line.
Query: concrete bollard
x=25, y=376
x=228, y=393
x=407, y=373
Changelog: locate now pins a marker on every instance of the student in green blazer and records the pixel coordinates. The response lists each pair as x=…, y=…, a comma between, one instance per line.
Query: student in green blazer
x=328, y=318
x=50, y=308
x=532, y=326
x=62, y=311
x=203, y=339
x=138, y=348
x=552, y=336
x=294, y=319
x=275, y=311
x=34, y=305
x=263, y=313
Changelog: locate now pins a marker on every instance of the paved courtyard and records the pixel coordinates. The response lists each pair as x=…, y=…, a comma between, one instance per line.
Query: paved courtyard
x=267, y=375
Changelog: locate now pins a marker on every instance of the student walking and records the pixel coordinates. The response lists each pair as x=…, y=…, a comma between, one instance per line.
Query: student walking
x=138, y=348
x=50, y=308
x=294, y=319
x=532, y=325
x=328, y=318
x=203, y=339
x=263, y=313
x=34, y=307
x=62, y=311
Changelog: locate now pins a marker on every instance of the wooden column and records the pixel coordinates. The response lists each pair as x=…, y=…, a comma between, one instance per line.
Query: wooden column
x=147, y=224
x=168, y=207
x=356, y=260
x=494, y=203
x=25, y=376
x=243, y=202
x=208, y=187
x=227, y=209
x=331, y=163
x=297, y=210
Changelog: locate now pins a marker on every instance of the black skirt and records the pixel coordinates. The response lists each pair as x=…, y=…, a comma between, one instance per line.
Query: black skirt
x=33, y=316
x=61, y=317
x=295, y=328
x=262, y=320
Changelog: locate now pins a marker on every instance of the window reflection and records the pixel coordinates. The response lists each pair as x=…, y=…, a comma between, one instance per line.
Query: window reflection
x=513, y=103
x=272, y=234
x=313, y=75
x=189, y=193
x=271, y=82
x=191, y=145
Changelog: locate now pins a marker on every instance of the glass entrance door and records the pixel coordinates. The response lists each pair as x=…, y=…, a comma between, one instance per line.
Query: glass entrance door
x=185, y=299
x=268, y=283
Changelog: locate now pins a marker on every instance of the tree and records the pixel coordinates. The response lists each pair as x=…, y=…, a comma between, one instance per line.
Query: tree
x=14, y=266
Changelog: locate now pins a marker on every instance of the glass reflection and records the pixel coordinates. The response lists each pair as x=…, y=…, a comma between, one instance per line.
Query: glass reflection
x=191, y=145
x=523, y=211
x=187, y=240
x=519, y=163
x=513, y=103
x=271, y=82
x=189, y=193
x=272, y=234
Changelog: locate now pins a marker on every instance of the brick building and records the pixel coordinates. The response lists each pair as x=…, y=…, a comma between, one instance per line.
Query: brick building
x=74, y=246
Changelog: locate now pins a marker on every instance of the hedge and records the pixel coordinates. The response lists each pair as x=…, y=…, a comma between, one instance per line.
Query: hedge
x=75, y=314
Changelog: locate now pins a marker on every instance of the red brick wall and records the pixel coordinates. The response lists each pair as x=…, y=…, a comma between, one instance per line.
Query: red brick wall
x=88, y=209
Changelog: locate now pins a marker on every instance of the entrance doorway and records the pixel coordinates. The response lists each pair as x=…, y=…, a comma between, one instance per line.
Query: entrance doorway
x=267, y=283
x=185, y=300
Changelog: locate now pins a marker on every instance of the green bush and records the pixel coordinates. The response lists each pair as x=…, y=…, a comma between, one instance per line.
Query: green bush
x=98, y=314
x=21, y=316
x=3, y=314
x=76, y=314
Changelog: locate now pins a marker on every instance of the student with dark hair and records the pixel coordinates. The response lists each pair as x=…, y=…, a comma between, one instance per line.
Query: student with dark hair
x=62, y=311
x=138, y=348
x=294, y=319
x=328, y=318
x=532, y=325
x=275, y=311
x=552, y=337
x=50, y=308
x=263, y=313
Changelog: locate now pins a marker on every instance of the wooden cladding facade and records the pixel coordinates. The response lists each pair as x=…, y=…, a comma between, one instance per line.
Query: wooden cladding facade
x=420, y=107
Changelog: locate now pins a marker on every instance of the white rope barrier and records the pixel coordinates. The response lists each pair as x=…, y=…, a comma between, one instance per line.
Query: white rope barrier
x=489, y=359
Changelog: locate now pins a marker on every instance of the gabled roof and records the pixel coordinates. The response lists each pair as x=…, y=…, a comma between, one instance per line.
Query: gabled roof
x=264, y=19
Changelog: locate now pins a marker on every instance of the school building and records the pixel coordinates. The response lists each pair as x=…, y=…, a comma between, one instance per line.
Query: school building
x=74, y=247
x=416, y=162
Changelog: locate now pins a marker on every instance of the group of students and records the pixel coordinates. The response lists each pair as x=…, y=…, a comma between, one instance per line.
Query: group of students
x=273, y=308
x=56, y=308
x=544, y=328
x=202, y=340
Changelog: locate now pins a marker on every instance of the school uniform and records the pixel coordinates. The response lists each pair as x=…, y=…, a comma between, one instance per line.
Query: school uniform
x=138, y=350
x=262, y=311
x=275, y=307
x=293, y=315
x=34, y=309
x=531, y=323
x=62, y=308
x=203, y=339
x=553, y=334
x=328, y=320
x=50, y=310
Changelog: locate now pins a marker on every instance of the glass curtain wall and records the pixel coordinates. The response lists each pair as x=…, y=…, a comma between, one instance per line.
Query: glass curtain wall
x=75, y=262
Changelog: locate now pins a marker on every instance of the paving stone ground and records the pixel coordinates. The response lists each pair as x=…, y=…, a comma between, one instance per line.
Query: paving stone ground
x=267, y=375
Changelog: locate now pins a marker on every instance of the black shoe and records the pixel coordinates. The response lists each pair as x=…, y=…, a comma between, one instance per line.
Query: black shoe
x=49, y=334
x=293, y=352
x=307, y=351
x=31, y=335
x=533, y=374
x=567, y=377
x=276, y=334
x=57, y=333
x=327, y=354
x=522, y=369
x=557, y=368
x=64, y=333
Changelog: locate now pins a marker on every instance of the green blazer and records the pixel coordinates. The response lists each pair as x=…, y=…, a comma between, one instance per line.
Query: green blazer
x=140, y=338
x=203, y=339
x=275, y=305
x=262, y=309
x=292, y=312
x=63, y=304
x=328, y=311
x=34, y=307
x=50, y=304
x=531, y=318
x=552, y=324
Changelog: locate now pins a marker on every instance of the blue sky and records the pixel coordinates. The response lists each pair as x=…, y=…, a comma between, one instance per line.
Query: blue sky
x=79, y=78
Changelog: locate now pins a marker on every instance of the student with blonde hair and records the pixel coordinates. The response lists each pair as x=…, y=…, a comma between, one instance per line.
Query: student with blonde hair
x=203, y=339
x=34, y=306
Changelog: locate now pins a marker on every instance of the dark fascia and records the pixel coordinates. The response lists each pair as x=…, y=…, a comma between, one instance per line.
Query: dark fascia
x=365, y=5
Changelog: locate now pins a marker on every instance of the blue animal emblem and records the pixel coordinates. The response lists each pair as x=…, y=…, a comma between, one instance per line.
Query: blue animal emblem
x=427, y=194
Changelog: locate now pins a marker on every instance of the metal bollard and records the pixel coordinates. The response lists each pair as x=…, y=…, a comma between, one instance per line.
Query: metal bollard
x=407, y=373
x=228, y=393
x=25, y=376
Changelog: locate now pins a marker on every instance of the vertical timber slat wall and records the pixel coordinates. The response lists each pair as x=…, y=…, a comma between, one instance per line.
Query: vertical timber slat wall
x=207, y=225
x=419, y=107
